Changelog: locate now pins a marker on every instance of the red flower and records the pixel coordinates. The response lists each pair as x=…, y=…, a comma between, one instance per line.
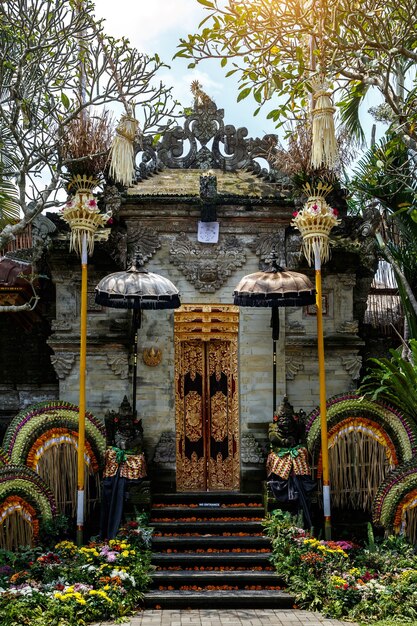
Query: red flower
x=335, y=212
x=295, y=213
x=110, y=221
x=92, y=203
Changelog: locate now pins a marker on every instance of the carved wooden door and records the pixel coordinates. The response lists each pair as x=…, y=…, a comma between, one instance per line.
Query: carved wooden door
x=207, y=419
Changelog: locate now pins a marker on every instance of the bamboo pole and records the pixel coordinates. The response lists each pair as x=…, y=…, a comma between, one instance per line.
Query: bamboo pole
x=323, y=410
x=81, y=420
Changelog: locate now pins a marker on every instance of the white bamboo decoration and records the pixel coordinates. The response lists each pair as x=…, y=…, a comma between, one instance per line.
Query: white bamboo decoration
x=324, y=151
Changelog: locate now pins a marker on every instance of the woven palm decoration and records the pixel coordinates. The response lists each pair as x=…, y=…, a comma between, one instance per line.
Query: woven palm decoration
x=324, y=151
x=367, y=440
x=25, y=501
x=82, y=213
x=44, y=437
x=122, y=167
x=394, y=506
x=315, y=221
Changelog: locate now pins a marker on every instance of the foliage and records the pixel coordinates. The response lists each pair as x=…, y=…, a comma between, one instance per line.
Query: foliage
x=44, y=44
x=276, y=47
x=387, y=175
x=344, y=580
x=73, y=586
x=394, y=380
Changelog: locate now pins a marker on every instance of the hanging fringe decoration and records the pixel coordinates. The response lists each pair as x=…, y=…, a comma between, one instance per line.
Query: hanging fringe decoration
x=315, y=221
x=122, y=167
x=16, y=530
x=324, y=152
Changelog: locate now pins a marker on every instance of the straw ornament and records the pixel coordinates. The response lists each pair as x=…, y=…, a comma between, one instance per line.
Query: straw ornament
x=315, y=221
x=324, y=144
x=122, y=167
x=82, y=214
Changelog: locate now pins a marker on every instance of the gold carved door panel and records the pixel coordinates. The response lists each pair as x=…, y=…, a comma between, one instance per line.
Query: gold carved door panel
x=207, y=413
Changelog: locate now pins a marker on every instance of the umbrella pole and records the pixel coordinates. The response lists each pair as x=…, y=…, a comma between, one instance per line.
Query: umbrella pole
x=137, y=319
x=275, y=337
x=323, y=409
x=81, y=415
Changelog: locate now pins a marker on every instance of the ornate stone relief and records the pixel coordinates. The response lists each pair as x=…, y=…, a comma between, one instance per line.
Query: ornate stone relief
x=251, y=451
x=265, y=245
x=205, y=142
x=352, y=365
x=63, y=363
x=207, y=267
x=165, y=448
x=142, y=240
x=292, y=367
x=348, y=328
x=119, y=364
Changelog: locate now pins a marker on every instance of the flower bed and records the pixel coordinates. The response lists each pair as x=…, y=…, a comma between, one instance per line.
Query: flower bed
x=368, y=583
x=74, y=586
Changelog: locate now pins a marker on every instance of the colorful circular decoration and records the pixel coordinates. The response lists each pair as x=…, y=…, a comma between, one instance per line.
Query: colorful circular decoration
x=39, y=426
x=380, y=422
x=23, y=495
x=396, y=495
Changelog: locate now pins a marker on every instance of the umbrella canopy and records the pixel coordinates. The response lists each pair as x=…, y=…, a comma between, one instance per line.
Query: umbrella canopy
x=137, y=289
x=273, y=288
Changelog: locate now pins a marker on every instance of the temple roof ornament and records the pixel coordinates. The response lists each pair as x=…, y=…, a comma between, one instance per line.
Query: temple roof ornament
x=205, y=142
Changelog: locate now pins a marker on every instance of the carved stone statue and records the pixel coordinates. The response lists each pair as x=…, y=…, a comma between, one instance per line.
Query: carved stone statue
x=288, y=469
x=123, y=430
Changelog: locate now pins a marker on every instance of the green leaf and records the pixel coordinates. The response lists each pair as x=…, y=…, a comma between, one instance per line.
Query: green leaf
x=206, y=3
x=223, y=62
x=65, y=100
x=244, y=94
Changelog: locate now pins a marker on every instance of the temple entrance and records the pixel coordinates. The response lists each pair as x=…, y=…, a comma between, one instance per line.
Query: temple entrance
x=206, y=398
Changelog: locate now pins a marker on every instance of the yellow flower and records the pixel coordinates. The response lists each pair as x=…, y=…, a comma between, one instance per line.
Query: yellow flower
x=81, y=601
x=125, y=553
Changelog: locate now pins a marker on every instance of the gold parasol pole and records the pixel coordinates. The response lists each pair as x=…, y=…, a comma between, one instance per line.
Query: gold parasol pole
x=315, y=221
x=81, y=418
x=323, y=408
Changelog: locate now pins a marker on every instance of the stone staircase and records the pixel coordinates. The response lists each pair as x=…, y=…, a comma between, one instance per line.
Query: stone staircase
x=209, y=551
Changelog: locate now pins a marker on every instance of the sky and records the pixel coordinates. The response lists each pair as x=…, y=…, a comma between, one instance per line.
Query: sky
x=157, y=26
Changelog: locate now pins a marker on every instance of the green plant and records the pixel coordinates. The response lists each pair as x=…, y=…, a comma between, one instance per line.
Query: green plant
x=394, y=380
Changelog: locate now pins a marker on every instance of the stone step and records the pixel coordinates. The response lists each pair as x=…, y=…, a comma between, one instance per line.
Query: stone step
x=214, y=559
x=204, y=528
x=210, y=542
x=180, y=599
x=206, y=497
x=199, y=512
x=242, y=578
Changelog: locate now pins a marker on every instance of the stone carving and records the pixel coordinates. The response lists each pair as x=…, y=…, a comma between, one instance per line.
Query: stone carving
x=292, y=366
x=165, y=448
x=42, y=229
x=346, y=280
x=269, y=245
x=187, y=147
x=112, y=199
x=348, y=327
x=352, y=365
x=251, y=451
x=142, y=240
x=117, y=246
x=152, y=356
x=207, y=267
x=119, y=364
x=295, y=328
x=63, y=363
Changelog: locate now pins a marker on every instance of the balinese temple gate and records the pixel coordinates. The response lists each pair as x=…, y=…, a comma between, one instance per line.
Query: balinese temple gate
x=206, y=209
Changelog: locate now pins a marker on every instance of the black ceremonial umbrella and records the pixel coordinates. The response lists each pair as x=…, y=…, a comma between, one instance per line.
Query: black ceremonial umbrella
x=137, y=289
x=274, y=287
